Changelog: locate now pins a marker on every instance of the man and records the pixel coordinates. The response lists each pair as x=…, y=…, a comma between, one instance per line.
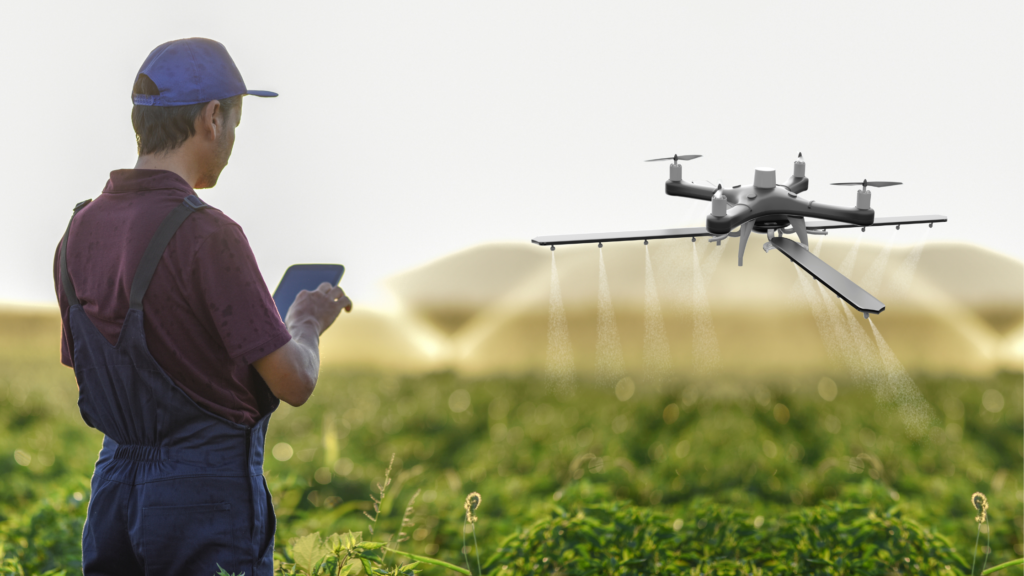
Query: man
x=177, y=346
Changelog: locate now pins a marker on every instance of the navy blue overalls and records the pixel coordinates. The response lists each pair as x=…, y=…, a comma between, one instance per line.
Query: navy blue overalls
x=177, y=490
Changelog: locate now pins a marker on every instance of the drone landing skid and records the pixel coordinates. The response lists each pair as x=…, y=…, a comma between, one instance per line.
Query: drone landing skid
x=829, y=277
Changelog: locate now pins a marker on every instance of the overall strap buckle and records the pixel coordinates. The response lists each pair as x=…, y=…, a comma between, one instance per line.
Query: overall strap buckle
x=195, y=202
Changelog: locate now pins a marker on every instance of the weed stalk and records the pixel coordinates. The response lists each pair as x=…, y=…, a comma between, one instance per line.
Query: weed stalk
x=980, y=504
x=381, y=489
x=471, y=506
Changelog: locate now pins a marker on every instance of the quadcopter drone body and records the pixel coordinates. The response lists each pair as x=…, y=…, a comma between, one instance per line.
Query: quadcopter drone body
x=773, y=209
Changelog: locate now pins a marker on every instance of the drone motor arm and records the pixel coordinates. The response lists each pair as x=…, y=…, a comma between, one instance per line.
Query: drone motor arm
x=797, y=185
x=689, y=190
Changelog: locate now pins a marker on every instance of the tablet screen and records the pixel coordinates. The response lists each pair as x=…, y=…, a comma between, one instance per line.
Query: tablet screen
x=304, y=277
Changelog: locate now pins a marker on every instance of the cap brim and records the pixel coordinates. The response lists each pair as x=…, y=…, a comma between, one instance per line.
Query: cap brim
x=262, y=93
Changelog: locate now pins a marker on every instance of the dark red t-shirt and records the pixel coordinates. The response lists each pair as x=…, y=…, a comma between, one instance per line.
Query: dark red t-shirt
x=207, y=314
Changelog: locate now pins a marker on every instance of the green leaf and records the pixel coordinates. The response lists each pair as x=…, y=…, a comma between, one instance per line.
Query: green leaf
x=352, y=538
x=220, y=572
x=308, y=552
x=426, y=560
x=1004, y=566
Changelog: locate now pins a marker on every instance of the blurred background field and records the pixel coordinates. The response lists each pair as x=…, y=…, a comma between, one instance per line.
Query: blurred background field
x=451, y=380
x=951, y=308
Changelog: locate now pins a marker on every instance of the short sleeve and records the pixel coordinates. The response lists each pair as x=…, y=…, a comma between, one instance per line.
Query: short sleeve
x=230, y=290
x=62, y=304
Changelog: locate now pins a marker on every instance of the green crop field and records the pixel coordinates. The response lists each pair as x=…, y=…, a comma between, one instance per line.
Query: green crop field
x=693, y=478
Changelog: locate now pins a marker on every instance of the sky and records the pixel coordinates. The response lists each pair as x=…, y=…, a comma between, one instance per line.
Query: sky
x=406, y=131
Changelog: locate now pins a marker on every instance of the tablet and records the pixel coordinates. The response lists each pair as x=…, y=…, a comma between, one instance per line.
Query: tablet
x=304, y=277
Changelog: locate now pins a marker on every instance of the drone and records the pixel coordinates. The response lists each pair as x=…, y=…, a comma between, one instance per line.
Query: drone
x=773, y=209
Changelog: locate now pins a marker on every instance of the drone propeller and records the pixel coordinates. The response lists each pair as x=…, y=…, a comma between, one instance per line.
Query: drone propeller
x=865, y=184
x=675, y=158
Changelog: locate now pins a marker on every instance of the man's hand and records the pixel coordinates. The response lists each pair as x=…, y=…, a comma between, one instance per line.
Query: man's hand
x=291, y=371
x=320, y=307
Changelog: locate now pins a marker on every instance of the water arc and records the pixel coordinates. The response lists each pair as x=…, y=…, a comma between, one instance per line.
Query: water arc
x=657, y=358
x=560, y=367
x=705, y=338
x=609, y=362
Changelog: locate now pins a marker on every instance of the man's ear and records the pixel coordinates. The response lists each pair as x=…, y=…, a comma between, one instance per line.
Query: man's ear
x=210, y=122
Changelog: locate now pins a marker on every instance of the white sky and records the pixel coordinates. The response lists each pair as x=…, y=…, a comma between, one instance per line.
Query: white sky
x=409, y=130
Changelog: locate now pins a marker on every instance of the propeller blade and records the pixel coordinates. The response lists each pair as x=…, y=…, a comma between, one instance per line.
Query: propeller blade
x=875, y=184
x=675, y=158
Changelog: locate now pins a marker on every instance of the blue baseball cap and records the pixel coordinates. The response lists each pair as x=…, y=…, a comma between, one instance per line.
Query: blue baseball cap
x=192, y=71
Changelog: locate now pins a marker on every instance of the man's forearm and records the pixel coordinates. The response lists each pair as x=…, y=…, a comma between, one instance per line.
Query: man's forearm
x=292, y=370
x=307, y=336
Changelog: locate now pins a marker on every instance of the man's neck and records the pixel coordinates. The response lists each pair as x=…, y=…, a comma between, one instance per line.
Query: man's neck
x=172, y=162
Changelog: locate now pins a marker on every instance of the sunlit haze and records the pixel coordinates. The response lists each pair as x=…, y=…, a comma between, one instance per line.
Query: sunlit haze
x=407, y=131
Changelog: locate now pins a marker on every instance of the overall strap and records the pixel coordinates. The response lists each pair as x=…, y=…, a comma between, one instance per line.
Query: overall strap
x=157, y=245
x=65, y=279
